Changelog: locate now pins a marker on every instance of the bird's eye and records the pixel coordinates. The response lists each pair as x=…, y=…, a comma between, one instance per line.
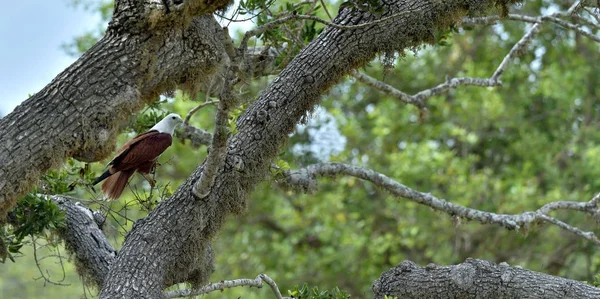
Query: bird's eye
x=173, y=117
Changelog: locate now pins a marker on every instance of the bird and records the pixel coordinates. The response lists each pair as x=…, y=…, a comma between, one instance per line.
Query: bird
x=138, y=154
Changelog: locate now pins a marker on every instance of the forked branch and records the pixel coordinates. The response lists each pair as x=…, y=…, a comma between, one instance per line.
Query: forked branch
x=305, y=180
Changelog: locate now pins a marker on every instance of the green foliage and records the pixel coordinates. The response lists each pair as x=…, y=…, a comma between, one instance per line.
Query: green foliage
x=85, y=41
x=280, y=166
x=34, y=215
x=596, y=281
x=305, y=292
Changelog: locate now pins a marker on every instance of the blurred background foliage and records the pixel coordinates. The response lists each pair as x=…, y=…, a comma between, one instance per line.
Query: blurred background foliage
x=507, y=150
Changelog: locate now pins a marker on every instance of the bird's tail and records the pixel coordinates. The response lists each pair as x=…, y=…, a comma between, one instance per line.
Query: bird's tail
x=102, y=177
x=115, y=184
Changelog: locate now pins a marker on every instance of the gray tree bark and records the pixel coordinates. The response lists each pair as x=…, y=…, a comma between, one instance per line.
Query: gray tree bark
x=143, y=54
x=476, y=279
x=146, y=52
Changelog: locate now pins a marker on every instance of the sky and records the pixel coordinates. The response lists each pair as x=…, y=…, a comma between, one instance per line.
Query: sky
x=31, y=33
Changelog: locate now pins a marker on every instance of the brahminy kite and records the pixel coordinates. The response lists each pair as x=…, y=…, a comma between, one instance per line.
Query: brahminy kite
x=138, y=154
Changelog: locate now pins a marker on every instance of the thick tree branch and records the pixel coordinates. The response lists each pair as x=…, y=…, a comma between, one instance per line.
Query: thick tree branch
x=476, y=279
x=84, y=238
x=80, y=112
x=197, y=136
x=305, y=180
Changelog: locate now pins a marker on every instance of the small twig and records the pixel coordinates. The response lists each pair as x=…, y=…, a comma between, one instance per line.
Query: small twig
x=39, y=267
x=553, y=18
x=577, y=5
x=268, y=26
x=326, y=10
x=573, y=27
x=593, y=14
x=387, y=89
x=189, y=115
x=307, y=177
x=516, y=49
x=227, y=284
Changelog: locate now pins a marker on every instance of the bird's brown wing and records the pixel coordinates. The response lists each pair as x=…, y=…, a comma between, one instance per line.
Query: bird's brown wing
x=124, y=149
x=141, y=149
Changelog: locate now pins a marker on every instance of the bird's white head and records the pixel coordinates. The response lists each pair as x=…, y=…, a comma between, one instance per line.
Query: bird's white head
x=168, y=124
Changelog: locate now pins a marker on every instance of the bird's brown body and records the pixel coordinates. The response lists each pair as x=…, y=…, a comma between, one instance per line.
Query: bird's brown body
x=138, y=154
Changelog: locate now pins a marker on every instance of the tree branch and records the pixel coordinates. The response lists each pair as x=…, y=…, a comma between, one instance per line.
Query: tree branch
x=451, y=83
x=515, y=50
x=306, y=179
x=197, y=136
x=84, y=238
x=227, y=284
x=189, y=115
x=476, y=279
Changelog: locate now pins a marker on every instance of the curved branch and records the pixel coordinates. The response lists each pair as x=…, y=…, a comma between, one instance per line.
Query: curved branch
x=306, y=177
x=476, y=279
x=451, y=83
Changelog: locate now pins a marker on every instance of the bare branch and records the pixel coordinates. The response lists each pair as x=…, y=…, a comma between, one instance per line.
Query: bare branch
x=307, y=176
x=46, y=276
x=494, y=80
x=516, y=49
x=83, y=237
x=189, y=115
x=451, y=83
x=576, y=6
x=417, y=99
x=227, y=284
x=553, y=18
x=387, y=89
x=576, y=28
